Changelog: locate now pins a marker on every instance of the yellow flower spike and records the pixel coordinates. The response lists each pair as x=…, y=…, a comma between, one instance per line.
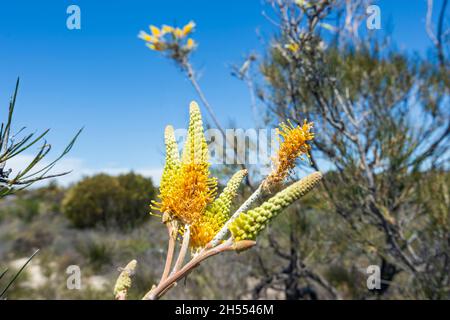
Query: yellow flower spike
x=190, y=188
x=249, y=224
x=190, y=44
x=215, y=216
x=155, y=31
x=293, y=144
x=188, y=28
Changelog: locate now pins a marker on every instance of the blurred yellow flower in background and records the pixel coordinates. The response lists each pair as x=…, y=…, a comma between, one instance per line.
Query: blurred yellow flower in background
x=170, y=40
x=293, y=47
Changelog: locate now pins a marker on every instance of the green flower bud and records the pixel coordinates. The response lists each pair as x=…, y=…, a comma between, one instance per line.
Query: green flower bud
x=172, y=157
x=123, y=283
x=249, y=224
x=219, y=210
x=195, y=149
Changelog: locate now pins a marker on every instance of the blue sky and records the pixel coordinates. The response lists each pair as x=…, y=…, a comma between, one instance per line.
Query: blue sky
x=102, y=77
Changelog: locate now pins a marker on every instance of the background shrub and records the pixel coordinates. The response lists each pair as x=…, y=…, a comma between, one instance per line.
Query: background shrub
x=109, y=201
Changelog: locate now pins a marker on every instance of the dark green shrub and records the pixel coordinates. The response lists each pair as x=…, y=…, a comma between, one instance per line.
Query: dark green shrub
x=109, y=201
x=138, y=191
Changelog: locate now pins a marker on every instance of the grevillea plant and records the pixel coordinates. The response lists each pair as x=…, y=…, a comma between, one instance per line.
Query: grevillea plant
x=201, y=223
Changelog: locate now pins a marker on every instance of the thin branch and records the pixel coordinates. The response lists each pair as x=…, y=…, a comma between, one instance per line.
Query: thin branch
x=228, y=245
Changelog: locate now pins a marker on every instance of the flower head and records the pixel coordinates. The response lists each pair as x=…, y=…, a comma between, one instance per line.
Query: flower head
x=293, y=144
x=186, y=186
x=170, y=40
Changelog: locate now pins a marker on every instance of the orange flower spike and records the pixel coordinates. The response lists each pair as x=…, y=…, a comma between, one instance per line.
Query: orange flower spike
x=293, y=144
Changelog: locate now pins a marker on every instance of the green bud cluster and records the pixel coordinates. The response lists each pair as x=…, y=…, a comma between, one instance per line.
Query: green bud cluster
x=195, y=148
x=219, y=210
x=123, y=283
x=249, y=224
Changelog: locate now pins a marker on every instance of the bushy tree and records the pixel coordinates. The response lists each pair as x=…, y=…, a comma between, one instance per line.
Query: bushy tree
x=382, y=131
x=109, y=201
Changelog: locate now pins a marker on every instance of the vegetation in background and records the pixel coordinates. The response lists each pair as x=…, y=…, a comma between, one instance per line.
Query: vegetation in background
x=365, y=99
x=104, y=200
x=381, y=139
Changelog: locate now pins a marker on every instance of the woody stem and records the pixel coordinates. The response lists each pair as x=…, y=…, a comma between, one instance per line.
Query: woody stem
x=171, y=280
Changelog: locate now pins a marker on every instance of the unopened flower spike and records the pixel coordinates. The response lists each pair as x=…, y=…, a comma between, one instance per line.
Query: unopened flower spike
x=123, y=282
x=195, y=148
x=249, y=224
x=171, y=168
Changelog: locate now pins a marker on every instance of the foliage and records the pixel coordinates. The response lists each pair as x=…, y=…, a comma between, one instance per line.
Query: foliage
x=24, y=177
x=104, y=200
x=382, y=127
x=9, y=149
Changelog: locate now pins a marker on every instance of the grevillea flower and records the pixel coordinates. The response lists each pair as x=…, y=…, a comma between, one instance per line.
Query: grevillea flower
x=249, y=224
x=168, y=38
x=204, y=229
x=186, y=186
x=293, y=144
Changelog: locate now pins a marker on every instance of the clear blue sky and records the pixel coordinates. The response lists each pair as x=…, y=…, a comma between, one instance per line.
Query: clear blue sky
x=102, y=77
